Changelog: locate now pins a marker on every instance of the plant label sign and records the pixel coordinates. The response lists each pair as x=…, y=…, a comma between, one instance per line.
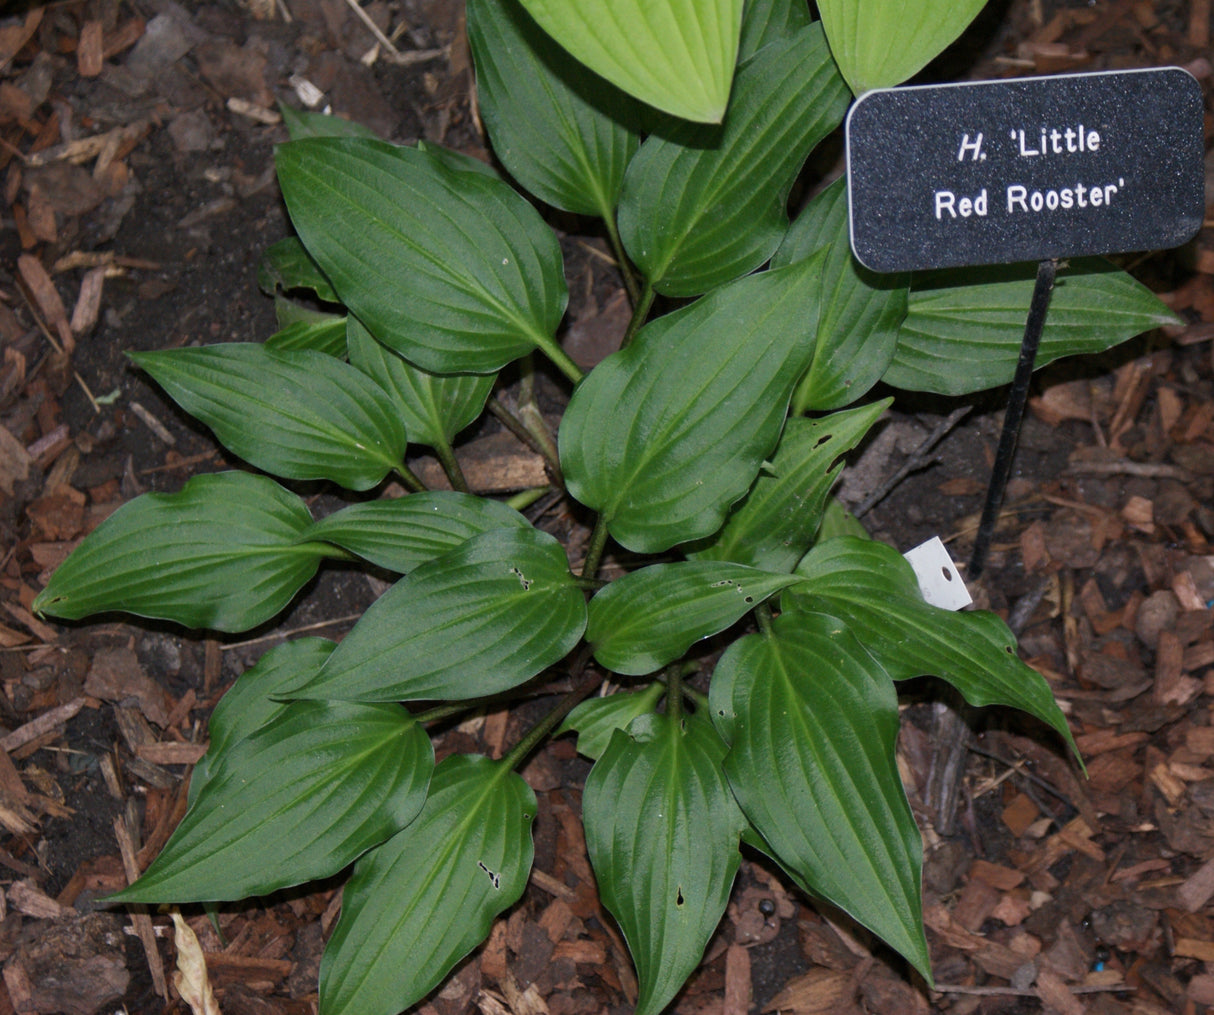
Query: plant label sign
x=1026, y=169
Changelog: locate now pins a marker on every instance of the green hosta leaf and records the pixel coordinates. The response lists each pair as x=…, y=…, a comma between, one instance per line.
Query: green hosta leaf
x=449, y=266
x=650, y=617
x=775, y=525
x=812, y=722
x=872, y=588
x=768, y=21
x=596, y=719
x=861, y=310
x=302, y=328
x=289, y=266
x=665, y=435
x=298, y=800
x=677, y=55
x=301, y=123
x=457, y=162
x=662, y=830
x=482, y=618
x=433, y=408
x=252, y=701
x=879, y=44
x=561, y=130
x=963, y=328
x=700, y=205
x=298, y=414
x=226, y=553
x=420, y=902
x=403, y=532
x=838, y=521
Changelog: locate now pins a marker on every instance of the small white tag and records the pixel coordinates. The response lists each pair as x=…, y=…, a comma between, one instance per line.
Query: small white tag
x=939, y=580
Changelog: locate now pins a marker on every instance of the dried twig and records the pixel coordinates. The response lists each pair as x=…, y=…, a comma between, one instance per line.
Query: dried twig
x=139, y=916
x=917, y=459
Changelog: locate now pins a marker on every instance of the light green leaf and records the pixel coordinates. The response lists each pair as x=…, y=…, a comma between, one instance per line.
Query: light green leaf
x=226, y=553
x=420, y=902
x=400, y=533
x=302, y=123
x=650, y=617
x=596, y=719
x=701, y=205
x=562, y=131
x=298, y=414
x=872, y=588
x=812, y=722
x=963, y=328
x=432, y=407
x=775, y=525
x=252, y=701
x=450, y=267
x=838, y=521
x=666, y=434
x=482, y=618
x=766, y=21
x=677, y=55
x=298, y=800
x=303, y=328
x=287, y=265
x=861, y=310
x=882, y=43
x=662, y=830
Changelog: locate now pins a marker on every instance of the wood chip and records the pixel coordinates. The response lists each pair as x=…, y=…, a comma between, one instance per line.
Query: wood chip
x=1057, y=996
x=89, y=59
x=168, y=752
x=49, y=721
x=49, y=303
x=30, y=900
x=1198, y=889
x=737, y=981
x=139, y=917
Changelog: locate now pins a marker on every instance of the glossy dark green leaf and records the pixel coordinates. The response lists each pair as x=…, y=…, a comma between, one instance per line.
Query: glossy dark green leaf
x=879, y=44
x=400, y=533
x=812, y=723
x=433, y=407
x=303, y=328
x=298, y=800
x=677, y=55
x=421, y=901
x=703, y=205
x=227, y=553
x=766, y=21
x=665, y=435
x=872, y=588
x=963, y=328
x=650, y=617
x=252, y=701
x=482, y=618
x=596, y=719
x=775, y=525
x=297, y=414
x=861, y=310
x=560, y=129
x=287, y=265
x=662, y=830
x=452, y=268
x=301, y=123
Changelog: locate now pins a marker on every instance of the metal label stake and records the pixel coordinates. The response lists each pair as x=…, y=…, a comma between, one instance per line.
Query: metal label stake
x=1014, y=416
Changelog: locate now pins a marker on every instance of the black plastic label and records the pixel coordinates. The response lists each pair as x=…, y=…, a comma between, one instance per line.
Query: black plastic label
x=1021, y=170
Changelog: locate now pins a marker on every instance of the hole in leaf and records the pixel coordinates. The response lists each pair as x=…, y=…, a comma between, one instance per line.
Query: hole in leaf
x=523, y=580
x=750, y=599
x=679, y=900
x=823, y=440
x=494, y=879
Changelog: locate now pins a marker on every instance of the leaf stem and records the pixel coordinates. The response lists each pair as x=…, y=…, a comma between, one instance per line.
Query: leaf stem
x=451, y=467
x=763, y=616
x=621, y=259
x=674, y=693
x=520, y=430
x=560, y=359
x=594, y=551
x=640, y=311
x=409, y=478
x=443, y=711
x=525, y=498
x=581, y=690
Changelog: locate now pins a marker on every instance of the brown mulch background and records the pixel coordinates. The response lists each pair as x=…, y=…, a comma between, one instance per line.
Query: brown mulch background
x=138, y=194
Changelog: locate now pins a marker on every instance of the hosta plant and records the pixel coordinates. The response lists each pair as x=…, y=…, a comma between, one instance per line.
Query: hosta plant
x=703, y=451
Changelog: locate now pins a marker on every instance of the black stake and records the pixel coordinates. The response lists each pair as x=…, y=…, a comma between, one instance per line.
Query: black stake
x=1016, y=400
